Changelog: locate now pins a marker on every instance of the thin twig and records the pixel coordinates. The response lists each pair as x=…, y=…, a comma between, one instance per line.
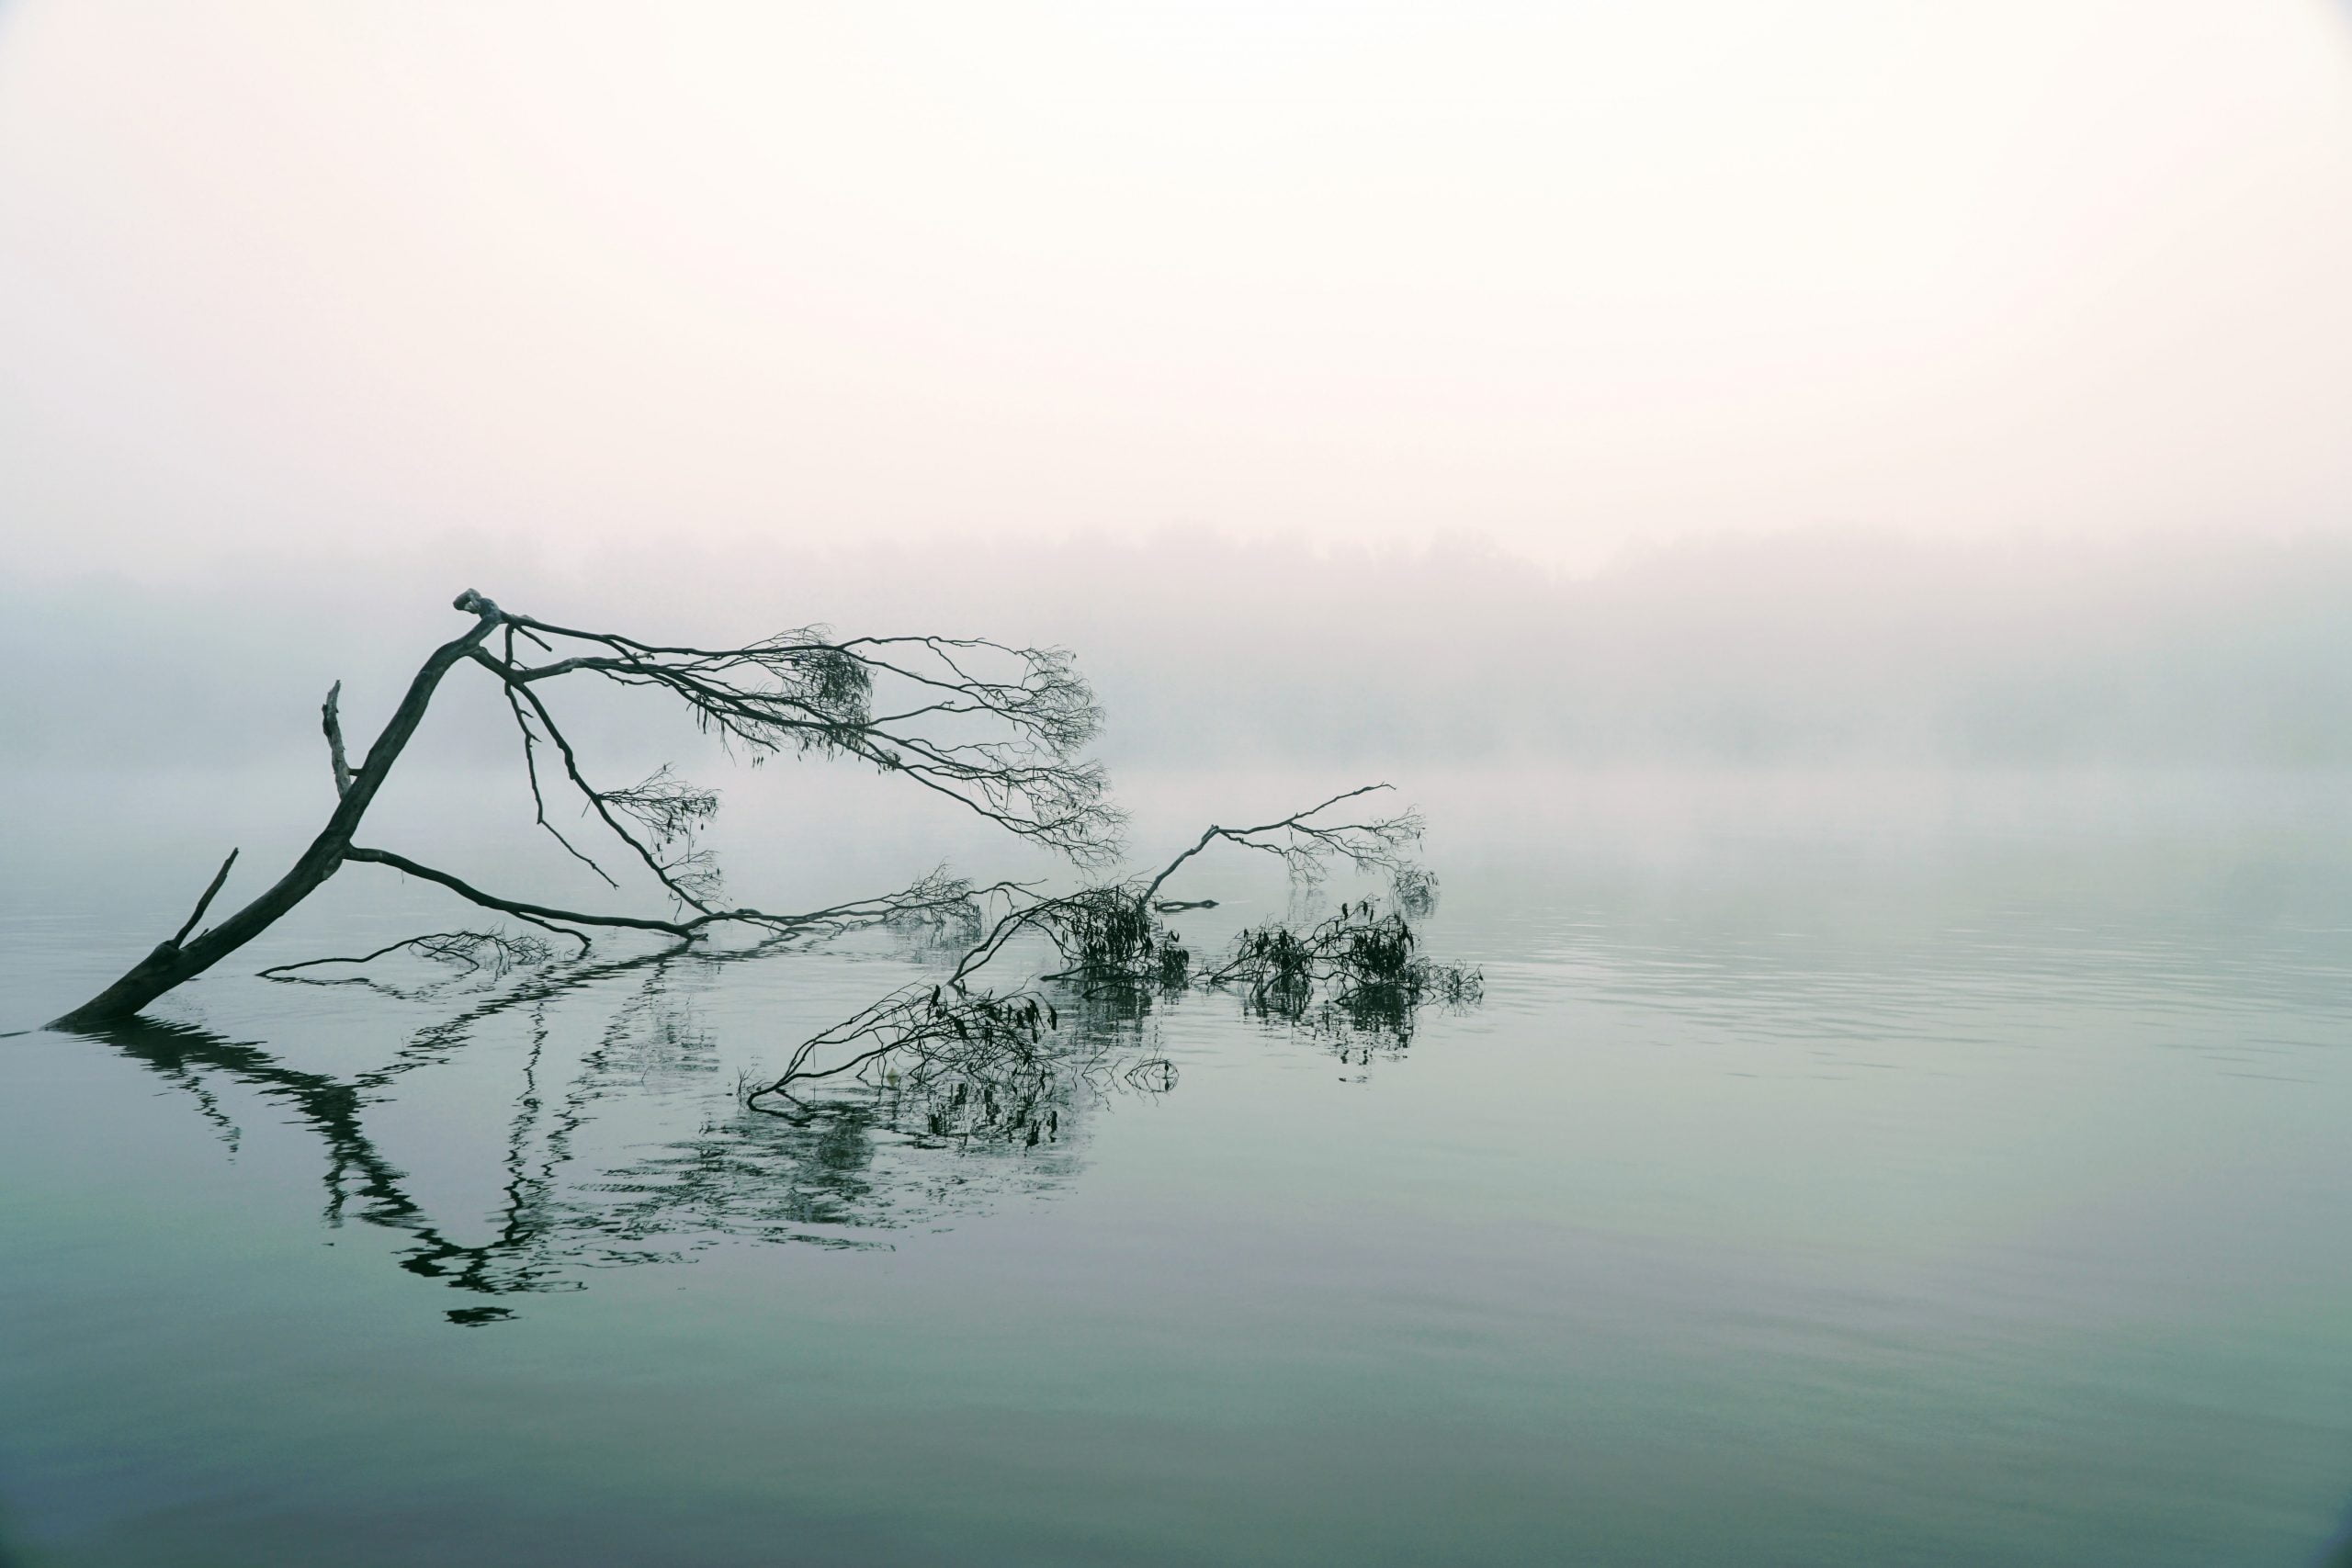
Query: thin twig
x=531, y=770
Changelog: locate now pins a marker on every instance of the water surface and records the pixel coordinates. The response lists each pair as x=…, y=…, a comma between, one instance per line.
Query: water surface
x=1841, y=1172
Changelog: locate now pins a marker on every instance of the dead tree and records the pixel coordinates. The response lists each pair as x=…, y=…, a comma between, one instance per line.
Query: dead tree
x=996, y=729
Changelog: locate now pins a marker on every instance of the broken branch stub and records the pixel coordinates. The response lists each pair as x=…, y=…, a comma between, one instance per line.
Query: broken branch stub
x=331, y=720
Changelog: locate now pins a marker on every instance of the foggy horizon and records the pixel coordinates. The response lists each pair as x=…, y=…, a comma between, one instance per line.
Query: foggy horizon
x=1817, y=647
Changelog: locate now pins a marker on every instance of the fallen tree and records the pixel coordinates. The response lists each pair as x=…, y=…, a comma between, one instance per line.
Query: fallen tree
x=996, y=729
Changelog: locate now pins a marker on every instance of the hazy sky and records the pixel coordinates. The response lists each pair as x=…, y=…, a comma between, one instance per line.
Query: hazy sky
x=1564, y=276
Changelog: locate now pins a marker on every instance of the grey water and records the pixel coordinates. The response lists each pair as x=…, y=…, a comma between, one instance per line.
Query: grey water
x=1839, y=1169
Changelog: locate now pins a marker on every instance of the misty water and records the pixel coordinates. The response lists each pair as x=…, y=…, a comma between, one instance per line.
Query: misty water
x=1839, y=1169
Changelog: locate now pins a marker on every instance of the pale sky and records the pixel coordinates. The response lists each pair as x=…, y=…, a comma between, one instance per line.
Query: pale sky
x=1565, y=276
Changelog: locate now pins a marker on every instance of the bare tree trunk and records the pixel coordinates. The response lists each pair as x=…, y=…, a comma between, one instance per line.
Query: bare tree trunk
x=180, y=959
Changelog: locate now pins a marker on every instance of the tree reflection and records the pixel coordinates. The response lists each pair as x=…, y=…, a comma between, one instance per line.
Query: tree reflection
x=924, y=1104
x=858, y=1160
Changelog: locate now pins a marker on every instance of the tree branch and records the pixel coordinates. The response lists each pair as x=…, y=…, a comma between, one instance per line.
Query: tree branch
x=206, y=902
x=599, y=800
x=1113, y=943
x=473, y=895
x=932, y=895
x=1305, y=842
x=333, y=723
x=798, y=692
x=531, y=767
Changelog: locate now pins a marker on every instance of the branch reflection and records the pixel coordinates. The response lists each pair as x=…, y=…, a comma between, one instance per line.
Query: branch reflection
x=859, y=1160
x=597, y=1169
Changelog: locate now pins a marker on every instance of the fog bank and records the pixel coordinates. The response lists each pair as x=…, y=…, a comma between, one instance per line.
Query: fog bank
x=1818, y=647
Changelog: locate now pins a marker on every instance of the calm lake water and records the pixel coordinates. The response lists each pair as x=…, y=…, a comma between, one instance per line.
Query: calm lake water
x=1869, y=1170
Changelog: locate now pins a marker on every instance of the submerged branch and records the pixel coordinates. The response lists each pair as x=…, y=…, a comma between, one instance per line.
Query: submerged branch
x=473, y=950
x=935, y=895
x=1112, y=944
